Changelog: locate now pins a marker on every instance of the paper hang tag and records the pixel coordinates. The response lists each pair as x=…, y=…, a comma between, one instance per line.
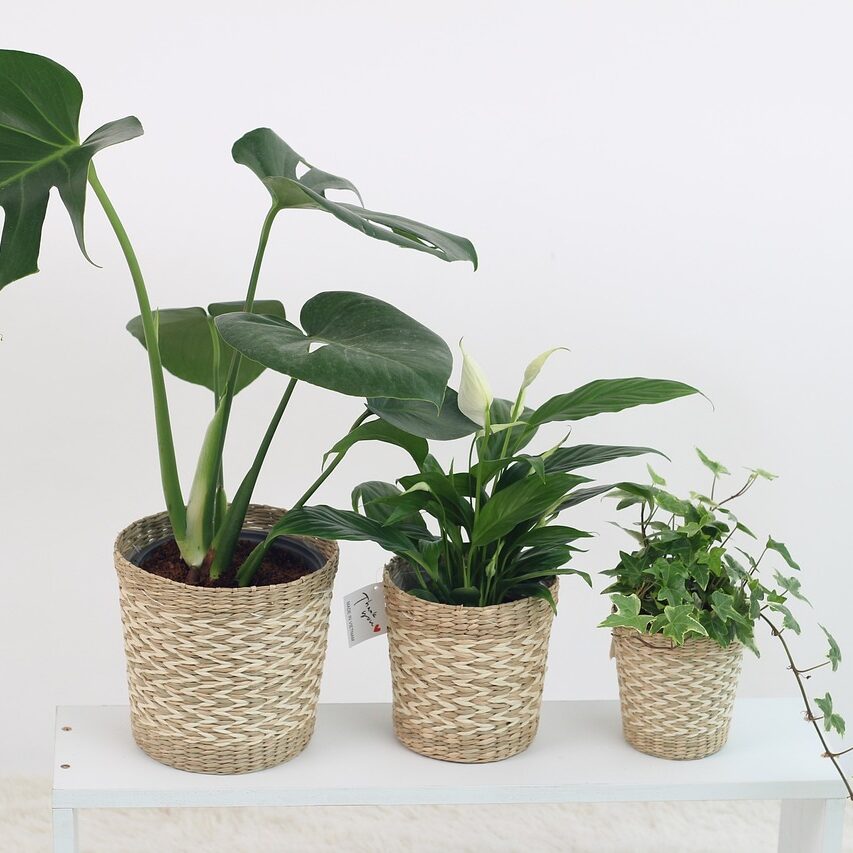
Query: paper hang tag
x=364, y=612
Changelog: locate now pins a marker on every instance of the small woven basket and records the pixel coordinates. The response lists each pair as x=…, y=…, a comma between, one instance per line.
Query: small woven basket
x=222, y=680
x=467, y=681
x=676, y=700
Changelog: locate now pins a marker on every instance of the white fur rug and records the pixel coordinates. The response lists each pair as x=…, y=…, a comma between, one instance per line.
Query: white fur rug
x=612, y=828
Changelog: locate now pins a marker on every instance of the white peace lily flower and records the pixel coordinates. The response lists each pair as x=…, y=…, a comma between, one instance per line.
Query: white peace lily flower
x=475, y=394
x=536, y=365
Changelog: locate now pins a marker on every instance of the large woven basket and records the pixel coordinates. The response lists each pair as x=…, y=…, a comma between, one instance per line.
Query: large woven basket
x=467, y=681
x=222, y=680
x=676, y=700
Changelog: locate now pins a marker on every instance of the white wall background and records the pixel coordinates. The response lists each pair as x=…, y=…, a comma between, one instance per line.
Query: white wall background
x=666, y=188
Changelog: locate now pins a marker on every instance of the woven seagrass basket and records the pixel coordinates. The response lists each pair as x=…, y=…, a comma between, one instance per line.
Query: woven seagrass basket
x=222, y=680
x=467, y=681
x=676, y=700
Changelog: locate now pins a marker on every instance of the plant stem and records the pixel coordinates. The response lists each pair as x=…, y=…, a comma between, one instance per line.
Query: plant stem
x=165, y=442
x=809, y=715
x=229, y=533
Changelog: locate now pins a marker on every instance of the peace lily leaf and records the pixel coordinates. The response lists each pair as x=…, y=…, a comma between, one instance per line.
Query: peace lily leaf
x=834, y=653
x=424, y=595
x=788, y=621
x=554, y=534
x=679, y=622
x=466, y=595
x=354, y=344
x=475, y=395
x=371, y=496
x=790, y=585
x=723, y=605
x=524, y=500
x=40, y=149
x=780, y=548
x=190, y=346
x=421, y=419
x=831, y=720
x=276, y=164
x=584, y=455
x=534, y=368
x=608, y=395
x=717, y=468
x=627, y=614
x=378, y=430
x=581, y=495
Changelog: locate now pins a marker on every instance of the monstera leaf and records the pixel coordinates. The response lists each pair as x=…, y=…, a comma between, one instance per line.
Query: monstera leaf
x=352, y=343
x=40, y=149
x=276, y=164
x=190, y=346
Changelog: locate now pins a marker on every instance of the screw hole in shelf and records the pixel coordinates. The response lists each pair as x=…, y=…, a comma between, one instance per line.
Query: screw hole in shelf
x=66, y=728
x=65, y=766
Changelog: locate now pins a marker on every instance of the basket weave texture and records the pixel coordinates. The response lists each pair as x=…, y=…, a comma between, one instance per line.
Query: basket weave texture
x=676, y=700
x=467, y=681
x=222, y=680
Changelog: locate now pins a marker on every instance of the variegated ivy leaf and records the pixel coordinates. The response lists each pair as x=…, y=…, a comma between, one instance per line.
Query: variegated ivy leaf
x=831, y=720
x=788, y=621
x=717, y=468
x=790, y=585
x=677, y=621
x=834, y=653
x=723, y=604
x=627, y=614
x=760, y=472
x=779, y=548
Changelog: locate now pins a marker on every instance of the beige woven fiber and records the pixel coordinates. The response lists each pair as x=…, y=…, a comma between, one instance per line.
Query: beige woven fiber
x=222, y=680
x=676, y=700
x=467, y=681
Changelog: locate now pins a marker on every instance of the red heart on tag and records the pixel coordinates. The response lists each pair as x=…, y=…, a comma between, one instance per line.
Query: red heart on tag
x=376, y=629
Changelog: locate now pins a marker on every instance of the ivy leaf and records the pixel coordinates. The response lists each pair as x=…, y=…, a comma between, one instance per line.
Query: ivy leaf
x=831, y=720
x=779, y=548
x=790, y=585
x=717, y=468
x=679, y=621
x=723, y=605
x=834, y=653
x=788, y=621
x=627, y=614
x=40, y=149
x=765, y=475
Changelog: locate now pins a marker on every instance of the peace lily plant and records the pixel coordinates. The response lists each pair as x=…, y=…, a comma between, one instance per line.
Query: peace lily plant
x=497, y=539
x=690, y=577
x=347, y=342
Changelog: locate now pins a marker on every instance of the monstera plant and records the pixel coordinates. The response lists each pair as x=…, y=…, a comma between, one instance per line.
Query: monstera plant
x=347, y=342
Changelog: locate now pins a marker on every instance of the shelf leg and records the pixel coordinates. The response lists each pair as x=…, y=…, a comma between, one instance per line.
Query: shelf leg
x=811, y=826
x=65, y=831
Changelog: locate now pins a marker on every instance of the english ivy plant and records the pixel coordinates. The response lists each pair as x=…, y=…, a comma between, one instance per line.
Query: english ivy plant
x=488, y=534
x=688, y=577
x=347, y=342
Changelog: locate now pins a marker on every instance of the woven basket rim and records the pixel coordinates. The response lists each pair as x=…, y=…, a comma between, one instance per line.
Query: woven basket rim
x=165, y=583
x=632, y=633
x=520, y=602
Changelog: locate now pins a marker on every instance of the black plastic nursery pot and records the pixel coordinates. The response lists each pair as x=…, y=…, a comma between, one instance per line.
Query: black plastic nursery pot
x=223, y=679
x=467, y=681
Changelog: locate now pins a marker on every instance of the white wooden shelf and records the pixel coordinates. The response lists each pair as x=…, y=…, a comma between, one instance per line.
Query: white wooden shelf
x=353, y=759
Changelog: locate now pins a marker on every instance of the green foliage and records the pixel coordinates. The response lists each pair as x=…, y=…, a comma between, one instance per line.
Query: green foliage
x=191, y=348
x=351, y=343
x=277, y=164
x=40, y=149
x=834, y=653
x=831, y=720
x=497, y=536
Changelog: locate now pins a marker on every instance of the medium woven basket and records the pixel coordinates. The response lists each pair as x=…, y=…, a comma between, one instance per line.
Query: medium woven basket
x=467, y=681
x=222, y=680
x=676, y=700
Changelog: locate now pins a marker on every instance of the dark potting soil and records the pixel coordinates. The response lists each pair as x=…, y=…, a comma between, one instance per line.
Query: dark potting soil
x=278, y=566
